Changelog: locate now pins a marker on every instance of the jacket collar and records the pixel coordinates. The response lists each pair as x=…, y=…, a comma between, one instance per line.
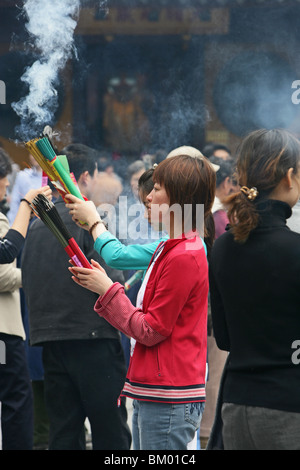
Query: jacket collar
x=192, y=237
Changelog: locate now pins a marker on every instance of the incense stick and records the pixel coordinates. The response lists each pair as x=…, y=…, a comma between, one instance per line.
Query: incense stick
x=47, y=212
x=47, y=150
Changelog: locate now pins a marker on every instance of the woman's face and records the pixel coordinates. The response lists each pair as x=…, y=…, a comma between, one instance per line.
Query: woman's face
x=159, y=205
x=4, y=183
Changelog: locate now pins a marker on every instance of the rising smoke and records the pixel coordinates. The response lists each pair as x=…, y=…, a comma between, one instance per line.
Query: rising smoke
x=51, y=25
x=182, y=115
x=247, y=94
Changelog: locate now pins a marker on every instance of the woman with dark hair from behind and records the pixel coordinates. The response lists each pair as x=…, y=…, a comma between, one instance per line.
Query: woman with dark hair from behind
x=255, y=297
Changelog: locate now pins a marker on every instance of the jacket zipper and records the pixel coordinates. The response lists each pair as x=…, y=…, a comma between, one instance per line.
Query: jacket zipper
x=158, y=365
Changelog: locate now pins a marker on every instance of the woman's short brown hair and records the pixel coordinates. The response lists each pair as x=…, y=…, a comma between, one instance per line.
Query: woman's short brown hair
x=189, y=181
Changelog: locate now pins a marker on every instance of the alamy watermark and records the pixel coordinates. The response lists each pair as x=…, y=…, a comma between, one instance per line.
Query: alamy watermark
x=2, y=92
x=130, y=221
x=296, y=93
x=2, y=352
x=296, y=353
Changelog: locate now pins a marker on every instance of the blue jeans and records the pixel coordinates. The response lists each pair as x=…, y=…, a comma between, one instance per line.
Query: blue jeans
x=164, y=426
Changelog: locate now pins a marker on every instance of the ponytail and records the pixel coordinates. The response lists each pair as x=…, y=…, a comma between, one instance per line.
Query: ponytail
x=242, y=214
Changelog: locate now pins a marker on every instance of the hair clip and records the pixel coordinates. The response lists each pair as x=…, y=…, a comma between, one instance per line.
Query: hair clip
x=250, y=193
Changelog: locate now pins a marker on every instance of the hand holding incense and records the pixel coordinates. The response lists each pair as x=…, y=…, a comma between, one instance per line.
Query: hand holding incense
x=85, y=211
x=95, y=279
x=21, y=222
x=32, y=193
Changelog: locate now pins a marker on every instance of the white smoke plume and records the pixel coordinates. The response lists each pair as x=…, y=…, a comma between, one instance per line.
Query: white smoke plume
x=51, y=25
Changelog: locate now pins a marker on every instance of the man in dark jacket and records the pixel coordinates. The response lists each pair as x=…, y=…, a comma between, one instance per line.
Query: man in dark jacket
x=82, y=354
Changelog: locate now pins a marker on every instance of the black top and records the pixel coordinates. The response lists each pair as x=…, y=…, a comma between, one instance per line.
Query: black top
x=10, y=246
x=58, y=308
x=255, y=299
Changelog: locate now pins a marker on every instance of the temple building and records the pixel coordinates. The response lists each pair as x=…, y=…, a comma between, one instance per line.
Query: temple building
x=156, y=74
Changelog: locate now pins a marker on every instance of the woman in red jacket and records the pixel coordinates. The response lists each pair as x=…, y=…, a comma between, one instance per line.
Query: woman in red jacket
x=166, y=375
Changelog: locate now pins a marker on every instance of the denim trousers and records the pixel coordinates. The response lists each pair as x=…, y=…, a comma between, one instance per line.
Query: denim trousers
x=165, y=426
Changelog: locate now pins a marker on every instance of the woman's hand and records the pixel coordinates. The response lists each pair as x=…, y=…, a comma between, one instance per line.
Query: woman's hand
x=32, y=193
x=22, y=219
x=85, y=211
x=95, y=279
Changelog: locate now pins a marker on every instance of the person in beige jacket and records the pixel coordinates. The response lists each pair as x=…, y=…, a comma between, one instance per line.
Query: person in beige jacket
x=10, y=282
x=15, y=387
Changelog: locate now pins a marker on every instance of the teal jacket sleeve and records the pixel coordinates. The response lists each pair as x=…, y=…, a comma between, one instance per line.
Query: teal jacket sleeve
x=120, y=256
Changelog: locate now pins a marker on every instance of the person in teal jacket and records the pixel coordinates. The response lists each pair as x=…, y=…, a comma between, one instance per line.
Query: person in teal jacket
x=122, y=256
x=115, y=253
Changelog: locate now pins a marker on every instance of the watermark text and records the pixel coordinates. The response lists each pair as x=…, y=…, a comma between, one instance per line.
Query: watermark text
x=296, y=353
x=2, y=352
x=133, y=222
x=296, y=93
x=2, y=92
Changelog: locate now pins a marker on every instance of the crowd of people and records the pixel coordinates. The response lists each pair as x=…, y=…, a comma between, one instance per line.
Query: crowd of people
x=202, y=342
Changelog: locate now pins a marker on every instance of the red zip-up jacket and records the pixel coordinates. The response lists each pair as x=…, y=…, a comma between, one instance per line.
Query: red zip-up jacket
x=169, y=360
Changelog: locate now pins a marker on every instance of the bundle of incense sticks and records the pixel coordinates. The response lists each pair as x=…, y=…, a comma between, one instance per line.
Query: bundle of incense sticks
x=44, y=153
x=47, y=212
